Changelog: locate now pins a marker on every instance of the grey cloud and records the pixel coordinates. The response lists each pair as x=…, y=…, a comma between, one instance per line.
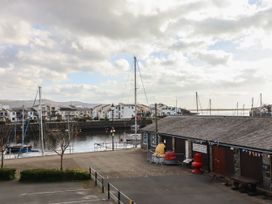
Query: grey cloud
x=84, y=17
x=217, y=26
x=67, y=21
x=247, y=77
x=213, y=59
x=183, y=45
x=96, y=16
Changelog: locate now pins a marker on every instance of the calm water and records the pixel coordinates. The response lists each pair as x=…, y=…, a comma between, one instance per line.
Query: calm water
x=89, y=142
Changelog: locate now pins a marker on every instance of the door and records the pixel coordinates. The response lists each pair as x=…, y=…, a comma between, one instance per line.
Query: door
x=222, y=162
x=180, y=149
x=251, y=165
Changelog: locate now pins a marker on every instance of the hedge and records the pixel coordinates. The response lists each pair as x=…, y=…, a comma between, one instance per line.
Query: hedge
x=51, y=175
x=7, y=174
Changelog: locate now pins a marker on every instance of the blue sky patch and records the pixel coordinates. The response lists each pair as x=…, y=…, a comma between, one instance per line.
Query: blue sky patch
x=39, y=26
x=159, y=55
x=85, y=78
x=256, y=2
x=126, y=56
x=226, y=46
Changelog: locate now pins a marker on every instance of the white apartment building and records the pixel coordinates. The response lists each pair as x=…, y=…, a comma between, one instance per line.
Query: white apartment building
x=127, y=111
x=101, y=111
x=164, y=110
x=3, y=112
x=11, y=115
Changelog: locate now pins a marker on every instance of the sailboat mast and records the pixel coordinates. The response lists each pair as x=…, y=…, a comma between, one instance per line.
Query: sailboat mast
x=41, y=121
x=23, y=125
x=210, y=106
x=261, y=99
x=135, y=94
x=176, y=105
x=237, y=108
x=196, y=102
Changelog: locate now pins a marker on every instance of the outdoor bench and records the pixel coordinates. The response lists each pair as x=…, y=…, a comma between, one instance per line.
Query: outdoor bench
x=244, y=184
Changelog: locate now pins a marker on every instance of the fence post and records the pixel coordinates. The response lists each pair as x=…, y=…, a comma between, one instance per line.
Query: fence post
x=95, y=178
x=119, y=197
x=102, y=181
x=108, y=191
x=90, y=170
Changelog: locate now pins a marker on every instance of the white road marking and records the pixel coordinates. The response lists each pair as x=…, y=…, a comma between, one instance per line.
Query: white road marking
x=89, y=197
x=52, y=192
x=80, y=201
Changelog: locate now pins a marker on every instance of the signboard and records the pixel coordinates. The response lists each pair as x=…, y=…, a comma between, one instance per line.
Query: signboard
x=145, y=138
x=200, y=148
x=153, y=140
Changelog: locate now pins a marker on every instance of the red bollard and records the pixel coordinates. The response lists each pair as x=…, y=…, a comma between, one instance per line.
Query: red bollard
x=197, y=164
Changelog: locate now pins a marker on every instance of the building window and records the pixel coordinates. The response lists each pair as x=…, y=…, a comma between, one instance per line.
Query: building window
x=145, y=138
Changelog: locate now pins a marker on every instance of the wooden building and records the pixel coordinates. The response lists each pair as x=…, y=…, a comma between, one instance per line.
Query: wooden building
x=230, y=146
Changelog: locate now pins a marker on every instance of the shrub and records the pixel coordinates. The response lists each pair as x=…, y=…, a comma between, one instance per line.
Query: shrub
x=51, y=175
x=76, y=175
x=7, y=174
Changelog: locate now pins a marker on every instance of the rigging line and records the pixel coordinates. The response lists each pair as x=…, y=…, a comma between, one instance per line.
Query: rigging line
x=139, y=70
x=200, y=104
x=35, y=98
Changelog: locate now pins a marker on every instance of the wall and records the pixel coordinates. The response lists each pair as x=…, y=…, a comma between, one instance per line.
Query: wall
x=236, y=158
x=267, y=172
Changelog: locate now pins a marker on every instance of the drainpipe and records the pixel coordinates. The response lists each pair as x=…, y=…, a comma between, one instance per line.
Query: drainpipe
x=156, y=124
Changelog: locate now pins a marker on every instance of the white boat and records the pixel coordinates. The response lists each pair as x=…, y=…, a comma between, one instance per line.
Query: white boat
x=127, y=138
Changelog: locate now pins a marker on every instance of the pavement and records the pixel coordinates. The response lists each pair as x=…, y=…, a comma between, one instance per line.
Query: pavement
x=187, y=189
x=52, y=193
x=130, y=172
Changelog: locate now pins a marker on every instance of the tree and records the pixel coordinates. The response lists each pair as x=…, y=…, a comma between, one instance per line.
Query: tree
x=59, y=139
x=5, y=131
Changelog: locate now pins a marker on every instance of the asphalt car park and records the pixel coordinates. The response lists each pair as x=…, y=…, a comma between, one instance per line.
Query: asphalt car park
x=51, y=193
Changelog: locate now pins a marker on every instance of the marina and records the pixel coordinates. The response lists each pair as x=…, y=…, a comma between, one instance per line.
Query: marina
x=91, y=142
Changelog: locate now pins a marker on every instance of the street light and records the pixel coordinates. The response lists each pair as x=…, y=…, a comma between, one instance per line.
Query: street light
x=112, y=131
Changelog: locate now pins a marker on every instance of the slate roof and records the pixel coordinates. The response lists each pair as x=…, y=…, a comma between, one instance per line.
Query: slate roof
x=240, y=131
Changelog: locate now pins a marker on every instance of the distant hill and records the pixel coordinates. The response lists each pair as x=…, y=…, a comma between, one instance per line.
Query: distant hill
x=29, y=103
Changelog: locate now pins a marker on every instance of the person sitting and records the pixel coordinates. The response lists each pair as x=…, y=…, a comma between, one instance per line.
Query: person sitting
x=160, y=150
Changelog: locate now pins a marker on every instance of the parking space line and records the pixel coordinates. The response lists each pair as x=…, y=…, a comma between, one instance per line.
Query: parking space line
x=53, y=192
x=80, y=201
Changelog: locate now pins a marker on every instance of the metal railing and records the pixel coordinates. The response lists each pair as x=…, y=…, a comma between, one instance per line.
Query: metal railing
x=108, y=146
x=113, y=192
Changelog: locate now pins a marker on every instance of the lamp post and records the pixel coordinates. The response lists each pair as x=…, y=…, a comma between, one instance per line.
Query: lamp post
x=112, y=131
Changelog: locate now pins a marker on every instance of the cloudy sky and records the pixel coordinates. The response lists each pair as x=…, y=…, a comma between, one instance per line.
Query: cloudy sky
x=83, y=50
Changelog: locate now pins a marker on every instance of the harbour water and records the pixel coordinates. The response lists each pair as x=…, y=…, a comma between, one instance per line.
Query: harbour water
x=95, y=142
x=88, y=142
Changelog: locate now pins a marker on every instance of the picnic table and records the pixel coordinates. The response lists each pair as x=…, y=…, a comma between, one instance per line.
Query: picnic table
x=244, y=184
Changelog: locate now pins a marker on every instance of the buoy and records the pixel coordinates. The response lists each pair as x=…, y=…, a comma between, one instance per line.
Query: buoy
x=197, y=163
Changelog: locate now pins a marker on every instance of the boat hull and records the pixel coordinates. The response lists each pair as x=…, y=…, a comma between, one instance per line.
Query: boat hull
x=19, y=149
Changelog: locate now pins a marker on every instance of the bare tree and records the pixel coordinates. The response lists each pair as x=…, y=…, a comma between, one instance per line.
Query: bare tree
x=5, y=131
x=59, y=139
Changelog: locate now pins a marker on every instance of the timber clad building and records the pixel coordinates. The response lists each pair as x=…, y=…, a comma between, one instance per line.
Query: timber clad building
x=230, y=146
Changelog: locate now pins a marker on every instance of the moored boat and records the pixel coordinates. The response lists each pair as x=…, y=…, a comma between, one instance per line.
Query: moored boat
x=18, y=148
